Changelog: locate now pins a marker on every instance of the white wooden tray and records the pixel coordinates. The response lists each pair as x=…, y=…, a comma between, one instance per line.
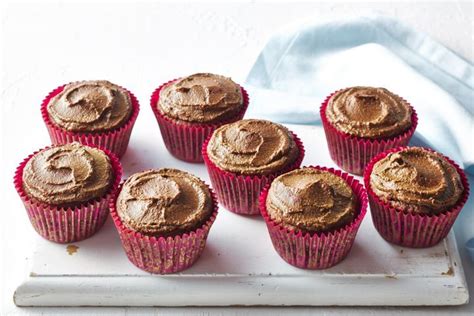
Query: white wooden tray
x=239, y=265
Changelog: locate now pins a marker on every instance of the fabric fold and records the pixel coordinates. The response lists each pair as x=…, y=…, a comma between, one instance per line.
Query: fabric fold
x=303, y=63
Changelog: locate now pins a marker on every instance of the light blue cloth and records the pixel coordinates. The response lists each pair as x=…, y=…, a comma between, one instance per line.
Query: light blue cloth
x=302, y=64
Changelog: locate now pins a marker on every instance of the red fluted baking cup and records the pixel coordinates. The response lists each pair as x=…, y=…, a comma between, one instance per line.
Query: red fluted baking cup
x=72, y=223
x=239, y=193
x=184, y=140
x=115, y=140
x=316, y=250
x=163, y=255
x=353, y=153
x=409, y=229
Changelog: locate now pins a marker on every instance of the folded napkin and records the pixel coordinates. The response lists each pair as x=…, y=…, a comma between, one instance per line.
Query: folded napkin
x=304, y=63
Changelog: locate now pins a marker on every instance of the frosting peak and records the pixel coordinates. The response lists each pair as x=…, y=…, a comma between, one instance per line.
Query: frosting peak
x=308, y=199
x=202, y=97
x=71, y=173
x=304, y=196
x=417, y=180
x=369, y=112
x=164, y=202
x=90, y=106
x=160, y=189
x=252, y=147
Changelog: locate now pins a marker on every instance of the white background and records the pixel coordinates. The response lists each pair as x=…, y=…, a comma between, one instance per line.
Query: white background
x=140, y=46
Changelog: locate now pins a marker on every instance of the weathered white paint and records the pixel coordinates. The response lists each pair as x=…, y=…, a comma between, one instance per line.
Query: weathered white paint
x=239, y=265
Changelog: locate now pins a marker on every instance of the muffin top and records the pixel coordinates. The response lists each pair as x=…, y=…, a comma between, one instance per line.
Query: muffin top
x=67, y=174
x=252, y=147
x=164, y=202
x=369, y=112
x=201, y=98
x=416, y=180
x=90, y=106
x=311, y=200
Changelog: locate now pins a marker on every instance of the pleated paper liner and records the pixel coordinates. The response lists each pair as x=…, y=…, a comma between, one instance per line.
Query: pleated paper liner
x=240, y=193
x=184, y=140
x=163, y=255
x=410, y=229
x=68, y=224
x=316, y=250
x=115, y=140
x=353, y=153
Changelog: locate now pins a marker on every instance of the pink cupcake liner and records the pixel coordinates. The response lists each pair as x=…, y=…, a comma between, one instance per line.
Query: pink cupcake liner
x=115, y=140
x=184, y=140
x=353, y=153
x=72, y=223
x=410, y=229
x=163, y=255
x=316, y=250
x=240, y=193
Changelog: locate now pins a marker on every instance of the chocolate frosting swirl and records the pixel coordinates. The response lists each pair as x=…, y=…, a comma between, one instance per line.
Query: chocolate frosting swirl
x=164, y=202
x=201, y=98
x=90, y=106
x=417, y=180
x=67, y=174
x=311, y=200
x=369, y=112
x=252, y=147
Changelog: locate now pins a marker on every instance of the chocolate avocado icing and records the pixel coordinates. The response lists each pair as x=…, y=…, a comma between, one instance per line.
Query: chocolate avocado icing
x=252, y=147
x=416, y=180
x=201, y=98
x=90, y=106
x=164, y=202
x=311, y=200
x=369, y=112
x=67, y=174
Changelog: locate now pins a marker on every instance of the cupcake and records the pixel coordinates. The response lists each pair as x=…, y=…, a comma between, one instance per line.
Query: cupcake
x=415, y=195
x=189, y=109
x=361, y=122
x=66, y=190
x=96, y=113
x=313, y=215
x=242, y=157
x=163, y=218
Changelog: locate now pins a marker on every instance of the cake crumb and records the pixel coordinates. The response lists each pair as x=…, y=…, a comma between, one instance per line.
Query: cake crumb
x=71, y=249
x=450, y=272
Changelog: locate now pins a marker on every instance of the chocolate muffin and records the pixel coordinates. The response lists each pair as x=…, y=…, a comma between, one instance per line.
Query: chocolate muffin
x=416, y=180
x=361, y=122
x=90, y=107
x=311, y=200
x=201, y=98
x=164, y=202
x=368, y=112
x=252, y=147
x=188, y=111
x=67, y=175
